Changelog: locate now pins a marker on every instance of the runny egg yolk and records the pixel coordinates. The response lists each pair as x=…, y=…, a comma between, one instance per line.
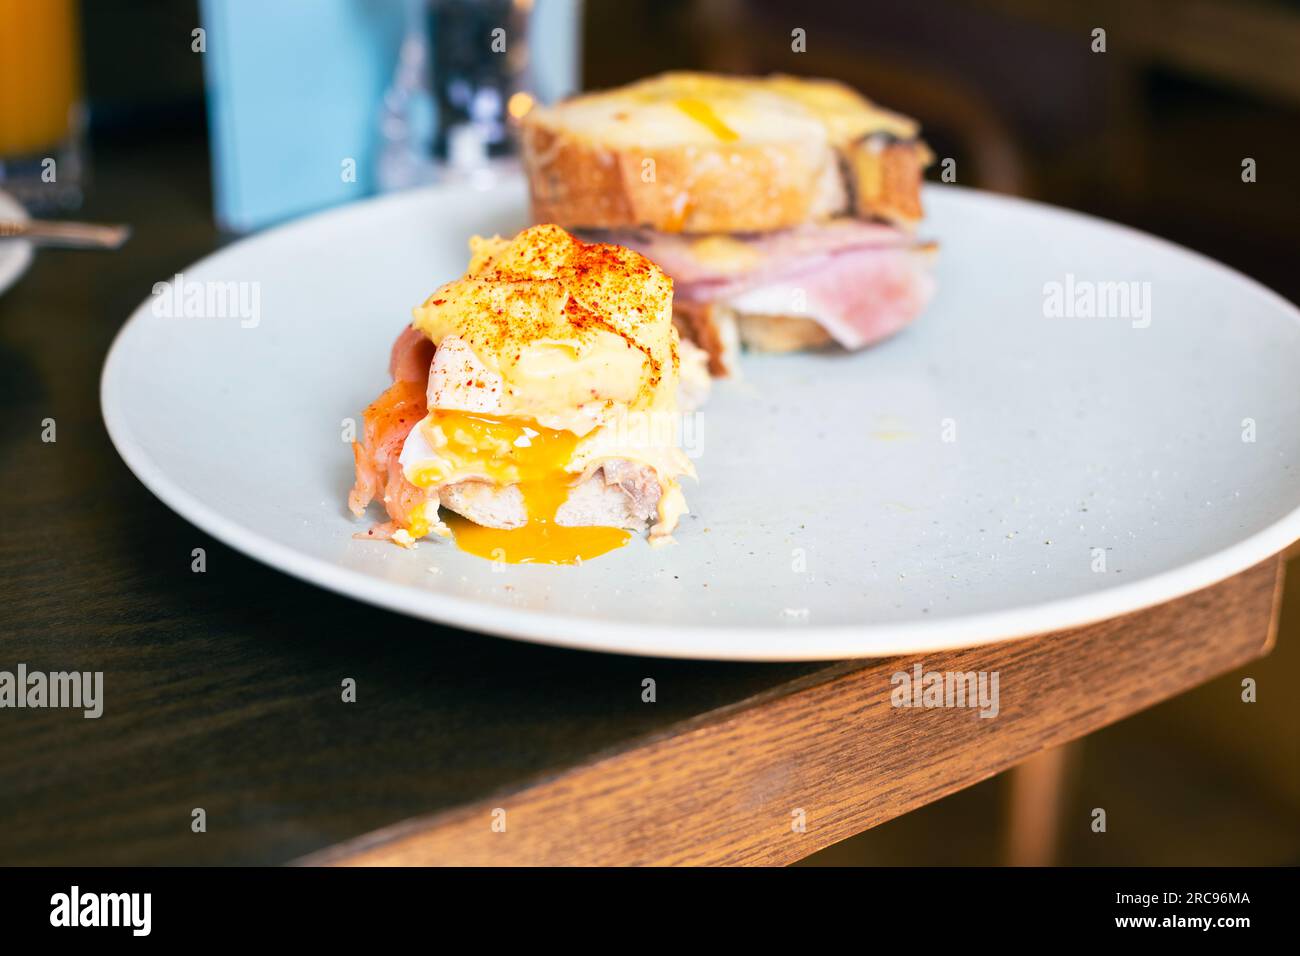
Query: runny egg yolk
x=703, y=113
x=520, y=451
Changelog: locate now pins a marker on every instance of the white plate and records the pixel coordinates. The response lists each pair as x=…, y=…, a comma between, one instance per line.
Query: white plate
x=15, y=254
x=832, y=518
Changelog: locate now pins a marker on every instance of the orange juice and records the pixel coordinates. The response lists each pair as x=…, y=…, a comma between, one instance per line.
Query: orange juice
x=40, y=75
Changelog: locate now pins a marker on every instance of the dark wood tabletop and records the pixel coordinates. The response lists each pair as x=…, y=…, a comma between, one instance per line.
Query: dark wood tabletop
x=223, y=690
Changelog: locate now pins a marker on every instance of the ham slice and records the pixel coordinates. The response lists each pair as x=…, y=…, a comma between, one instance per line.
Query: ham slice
x=411, y=356
x=859, y=296
x=388, y=420
x=860, y=281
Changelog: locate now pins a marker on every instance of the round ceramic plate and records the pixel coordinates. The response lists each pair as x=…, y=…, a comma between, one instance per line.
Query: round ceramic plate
x=15, y=254
x=1086, y=421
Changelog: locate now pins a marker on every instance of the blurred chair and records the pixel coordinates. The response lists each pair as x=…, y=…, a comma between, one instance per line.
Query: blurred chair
x=953, y=116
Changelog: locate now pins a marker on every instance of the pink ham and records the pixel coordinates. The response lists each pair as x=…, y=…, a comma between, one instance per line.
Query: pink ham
x=859, y=296
x=411, y=356
x=768, y=253
x=860, y=281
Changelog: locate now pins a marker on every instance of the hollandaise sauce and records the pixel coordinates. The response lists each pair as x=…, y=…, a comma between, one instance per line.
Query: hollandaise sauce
x=517, y=451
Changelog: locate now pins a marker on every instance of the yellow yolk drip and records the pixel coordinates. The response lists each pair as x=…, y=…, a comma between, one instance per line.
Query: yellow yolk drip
x=519, y=451
x=702, y=112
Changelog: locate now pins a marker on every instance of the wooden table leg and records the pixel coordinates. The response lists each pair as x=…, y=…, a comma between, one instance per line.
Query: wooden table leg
x=1035, y=804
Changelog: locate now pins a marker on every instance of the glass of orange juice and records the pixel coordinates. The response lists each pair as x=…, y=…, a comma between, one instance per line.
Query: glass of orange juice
x=41, y=113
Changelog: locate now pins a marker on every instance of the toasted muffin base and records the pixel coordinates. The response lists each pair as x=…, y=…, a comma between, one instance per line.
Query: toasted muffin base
x=625, y=496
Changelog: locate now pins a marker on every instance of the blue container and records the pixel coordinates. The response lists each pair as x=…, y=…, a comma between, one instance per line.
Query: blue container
x=293, y=89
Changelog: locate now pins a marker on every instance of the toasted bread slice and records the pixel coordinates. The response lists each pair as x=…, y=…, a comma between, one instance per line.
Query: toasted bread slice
x=885, y=175
x=781, y=333
x=711, y=328
x=698, y=153
x=720, y=331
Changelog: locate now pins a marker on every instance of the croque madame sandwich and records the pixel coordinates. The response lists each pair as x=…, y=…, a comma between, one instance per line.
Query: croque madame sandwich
x=537, y=398
x=783, y=208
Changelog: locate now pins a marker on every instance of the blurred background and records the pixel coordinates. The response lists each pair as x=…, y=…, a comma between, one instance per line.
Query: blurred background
x=199, y=121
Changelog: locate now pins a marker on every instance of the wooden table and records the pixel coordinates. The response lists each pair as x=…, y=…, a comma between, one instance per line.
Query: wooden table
x=223, y=689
